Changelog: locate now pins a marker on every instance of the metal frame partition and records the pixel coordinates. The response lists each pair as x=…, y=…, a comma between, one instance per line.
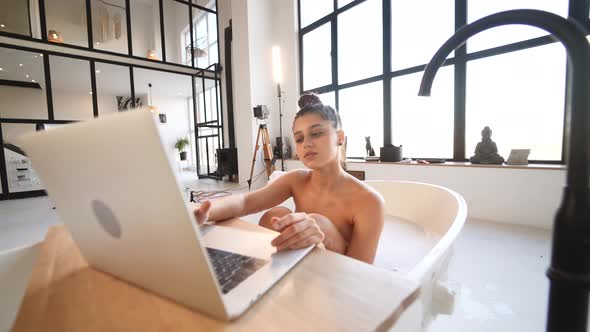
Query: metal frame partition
x=95, y=56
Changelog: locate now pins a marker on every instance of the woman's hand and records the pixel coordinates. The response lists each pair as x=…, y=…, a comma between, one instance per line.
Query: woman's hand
x=202, y=212
x=298, y=230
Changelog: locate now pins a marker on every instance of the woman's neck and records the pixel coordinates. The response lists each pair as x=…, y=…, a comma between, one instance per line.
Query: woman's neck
x=327, y=177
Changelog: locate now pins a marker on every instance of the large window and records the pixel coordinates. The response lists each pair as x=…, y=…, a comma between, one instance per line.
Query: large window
x=379, y=60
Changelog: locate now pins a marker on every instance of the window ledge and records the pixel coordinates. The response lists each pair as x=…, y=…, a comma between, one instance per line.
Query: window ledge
x=457, y=164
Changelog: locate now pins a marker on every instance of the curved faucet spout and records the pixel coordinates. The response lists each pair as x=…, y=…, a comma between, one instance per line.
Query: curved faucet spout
x=570, y=263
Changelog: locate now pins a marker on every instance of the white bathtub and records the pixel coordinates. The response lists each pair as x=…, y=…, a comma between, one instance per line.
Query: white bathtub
x=422, y=222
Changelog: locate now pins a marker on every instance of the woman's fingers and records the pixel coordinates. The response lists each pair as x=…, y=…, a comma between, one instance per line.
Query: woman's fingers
x=202, y=212
x=305, y=242
x=301, y=231
x=292, y=231
x=291, y=218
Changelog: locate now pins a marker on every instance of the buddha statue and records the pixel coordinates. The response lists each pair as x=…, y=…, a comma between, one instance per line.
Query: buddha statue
x=486, y=151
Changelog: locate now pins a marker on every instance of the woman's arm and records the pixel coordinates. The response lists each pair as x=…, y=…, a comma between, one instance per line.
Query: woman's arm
x=368, y=224
x=243, y=204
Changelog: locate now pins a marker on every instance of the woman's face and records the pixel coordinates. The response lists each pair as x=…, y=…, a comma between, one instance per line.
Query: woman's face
x=316, y=140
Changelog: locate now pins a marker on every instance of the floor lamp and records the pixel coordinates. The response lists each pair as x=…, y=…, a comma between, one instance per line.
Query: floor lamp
x=278, y=78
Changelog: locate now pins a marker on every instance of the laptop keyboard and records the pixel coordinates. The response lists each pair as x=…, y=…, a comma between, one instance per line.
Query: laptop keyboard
x=231, y=268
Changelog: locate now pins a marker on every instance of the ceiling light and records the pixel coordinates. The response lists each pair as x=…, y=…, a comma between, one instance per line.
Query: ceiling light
x=98, y=71
x=2, y=26
x=90, y=92
x=1, y=69
x=33, y=81
x=97, y=43
x=20, y=64
x=41, y=55
x=27, y=75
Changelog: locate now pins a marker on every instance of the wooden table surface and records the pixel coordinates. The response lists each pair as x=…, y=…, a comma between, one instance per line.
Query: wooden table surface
x=324, y=292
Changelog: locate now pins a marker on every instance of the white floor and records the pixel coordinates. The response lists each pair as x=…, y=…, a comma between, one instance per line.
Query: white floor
x=500, y=268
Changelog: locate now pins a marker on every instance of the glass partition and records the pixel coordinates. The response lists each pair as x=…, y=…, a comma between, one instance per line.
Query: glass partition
x=22, y=85
x=145, y=29
x=109, y=26
x=71, y=88
x=113, y=88
x=14, y=17
x=21, y=175
x=66, y=22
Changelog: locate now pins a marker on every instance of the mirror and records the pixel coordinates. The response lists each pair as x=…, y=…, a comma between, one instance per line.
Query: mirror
x=66, y=22
x=177, y=32
x=22, y=85
x=204, y=46
x=171, y=95
x=113, y=88
x=71, y=88
x=109, y=26
x=14, y=17
x=145, y=29
x=21, y=176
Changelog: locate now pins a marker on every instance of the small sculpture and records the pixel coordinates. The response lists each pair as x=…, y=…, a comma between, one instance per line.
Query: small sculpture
x=368, y=147
x=486, y=151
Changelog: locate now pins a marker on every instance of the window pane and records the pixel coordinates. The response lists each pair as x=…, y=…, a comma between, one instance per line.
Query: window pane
x=109, y=26
x=360, y=45
x=313, y=10
x=520, y=95
x=423, y=125
x=328, y=98
x=22, y=102
x=503, y=35
x=170, y=95
x=14, y=17
x=21, y=176
x=204, y=36
x=211, y=4
x=113, y=88
x=176, y=28
x=317, y=61
x=342, y=3
x=361, y=112
x=430, y=27
x=145, y=29
x=71, y=88
x=66, y=21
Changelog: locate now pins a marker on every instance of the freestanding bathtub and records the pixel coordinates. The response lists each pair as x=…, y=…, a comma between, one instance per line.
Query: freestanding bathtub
x=422, y=222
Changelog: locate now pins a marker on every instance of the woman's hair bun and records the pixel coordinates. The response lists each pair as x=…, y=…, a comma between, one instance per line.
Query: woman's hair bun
x=308, y=99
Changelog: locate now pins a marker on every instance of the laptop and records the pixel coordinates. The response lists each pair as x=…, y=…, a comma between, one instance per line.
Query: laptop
x=113, y=187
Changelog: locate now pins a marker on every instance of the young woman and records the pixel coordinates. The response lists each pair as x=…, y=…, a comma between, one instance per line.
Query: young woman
x=331, y=206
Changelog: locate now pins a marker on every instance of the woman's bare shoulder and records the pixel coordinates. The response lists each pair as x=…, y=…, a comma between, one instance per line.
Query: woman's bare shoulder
x=297, y=175
x=364, y=194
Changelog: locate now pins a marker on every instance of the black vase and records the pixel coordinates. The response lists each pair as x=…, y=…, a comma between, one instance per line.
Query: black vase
x=183, y=155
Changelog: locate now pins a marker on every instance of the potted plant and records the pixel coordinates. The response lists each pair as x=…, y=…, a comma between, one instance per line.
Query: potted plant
x=180, y=145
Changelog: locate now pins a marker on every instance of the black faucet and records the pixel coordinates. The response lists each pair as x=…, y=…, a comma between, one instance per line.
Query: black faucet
x=569, y=273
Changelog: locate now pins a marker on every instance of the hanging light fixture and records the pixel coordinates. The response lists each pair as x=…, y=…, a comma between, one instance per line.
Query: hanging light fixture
x=55, y=37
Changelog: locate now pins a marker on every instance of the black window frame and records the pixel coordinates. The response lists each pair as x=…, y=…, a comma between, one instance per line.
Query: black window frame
x=577, y=9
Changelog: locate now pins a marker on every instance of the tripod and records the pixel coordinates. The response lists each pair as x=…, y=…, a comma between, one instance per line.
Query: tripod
x=267, y=150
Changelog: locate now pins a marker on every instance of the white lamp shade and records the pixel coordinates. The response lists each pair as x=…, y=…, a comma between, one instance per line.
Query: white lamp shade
x=277, y=68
